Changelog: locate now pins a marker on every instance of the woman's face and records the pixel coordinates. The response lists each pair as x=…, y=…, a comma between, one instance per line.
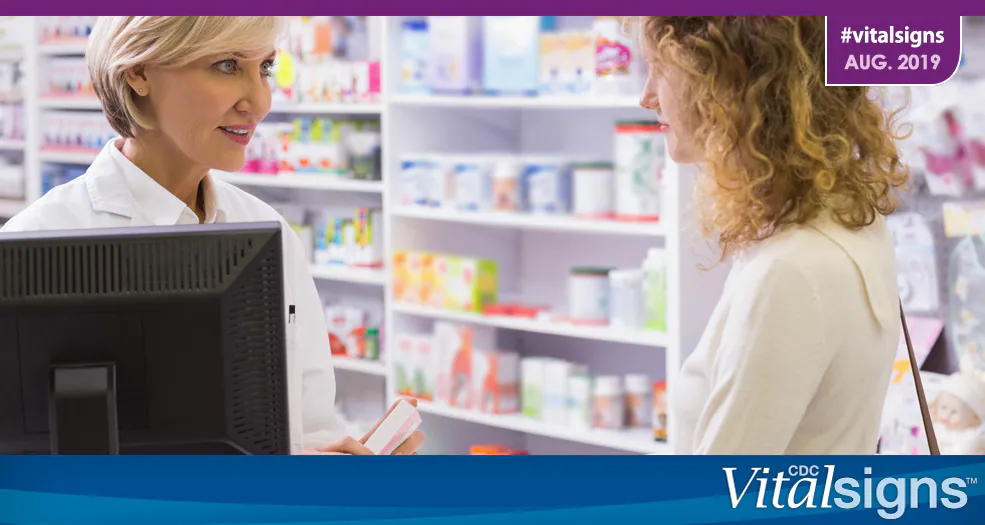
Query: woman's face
x=209, y=109
x=663, y=93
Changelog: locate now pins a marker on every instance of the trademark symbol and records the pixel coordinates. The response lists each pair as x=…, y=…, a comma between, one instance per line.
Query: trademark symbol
x=971, y=481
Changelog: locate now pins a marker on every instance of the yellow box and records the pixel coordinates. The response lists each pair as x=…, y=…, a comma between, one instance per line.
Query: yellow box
x=471, y=284
x=407, y=276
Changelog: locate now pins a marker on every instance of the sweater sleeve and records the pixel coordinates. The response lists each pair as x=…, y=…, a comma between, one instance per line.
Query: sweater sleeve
x=771, y=358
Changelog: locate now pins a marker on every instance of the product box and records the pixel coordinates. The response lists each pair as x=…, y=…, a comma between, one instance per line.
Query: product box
x=578, y=73
x=579, y=405
x=510, y=54
x=440, y=186
x=532, y=386
x=473, y=184
x=495, y=381
x=552, y=61
x=434, y=280
x=455, y=344
x=414, y=180
x=425, y=371
x=471, y=283
x=660, y=410
x=454, y=54
x=546, y=186
x=556, y=374
x=428, y=291
x=367, y=248
x=407, y=276
x=413, y=56
x=343, y=324
x=405, y=362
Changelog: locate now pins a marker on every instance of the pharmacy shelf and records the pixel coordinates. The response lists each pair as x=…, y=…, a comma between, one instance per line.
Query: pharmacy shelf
x=557, y=223
x=349, y=274
x=10, y=207
x=11, y=55
x=362, y=366
x=325, y=108
x=63, y=47
x=66, y=102
x=309, y=182
x=595, y=333
x=12, y=145
x=545, y=102
x=638, y=441
x=68, y=156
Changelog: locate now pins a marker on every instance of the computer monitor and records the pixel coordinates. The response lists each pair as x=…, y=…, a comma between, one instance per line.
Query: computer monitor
x=143, y=341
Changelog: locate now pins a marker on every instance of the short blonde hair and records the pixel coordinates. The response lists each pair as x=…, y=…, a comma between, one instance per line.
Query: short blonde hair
x=120, y=43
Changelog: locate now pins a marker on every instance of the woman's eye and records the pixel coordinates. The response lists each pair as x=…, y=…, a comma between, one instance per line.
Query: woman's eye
x=267, y=68
x=227, y=66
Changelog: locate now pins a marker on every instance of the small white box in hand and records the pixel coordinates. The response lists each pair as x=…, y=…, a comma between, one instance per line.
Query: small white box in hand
x=398, y=425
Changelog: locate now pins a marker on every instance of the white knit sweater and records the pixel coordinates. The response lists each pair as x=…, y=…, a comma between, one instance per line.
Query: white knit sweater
x=796, y=357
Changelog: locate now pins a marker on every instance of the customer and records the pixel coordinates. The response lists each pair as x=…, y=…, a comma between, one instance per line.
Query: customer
x=186, y=94
x=795, y=179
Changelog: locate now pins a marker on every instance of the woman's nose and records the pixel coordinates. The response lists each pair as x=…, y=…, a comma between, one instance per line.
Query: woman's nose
x=256, y=97
x=648, y=99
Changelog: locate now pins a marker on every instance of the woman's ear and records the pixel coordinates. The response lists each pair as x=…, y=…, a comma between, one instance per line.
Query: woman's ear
x=138, y=81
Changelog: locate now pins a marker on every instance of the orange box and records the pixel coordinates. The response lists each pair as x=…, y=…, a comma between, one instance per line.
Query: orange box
x=495, y=381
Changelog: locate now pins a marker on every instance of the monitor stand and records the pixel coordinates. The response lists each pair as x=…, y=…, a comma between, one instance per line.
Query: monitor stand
x=82, y=409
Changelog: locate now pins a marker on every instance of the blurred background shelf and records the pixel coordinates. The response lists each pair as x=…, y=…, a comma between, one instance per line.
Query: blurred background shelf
x=349, y=274
x=558, y=223
x=638, y=441
x=362, y=366
x=594, y=333
x=68, y=156
x=312, y=181
x=54, y=102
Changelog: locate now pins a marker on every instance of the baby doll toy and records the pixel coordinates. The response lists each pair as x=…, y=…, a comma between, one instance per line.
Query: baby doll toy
x=959, y=414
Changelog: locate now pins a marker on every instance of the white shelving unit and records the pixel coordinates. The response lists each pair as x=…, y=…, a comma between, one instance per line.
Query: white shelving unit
x=531, y=222
x=12, y=145
x=372, y=368
x=50, y=102
x=301, y=181
x=67, y=156
x=349, y=274
x=534, y=253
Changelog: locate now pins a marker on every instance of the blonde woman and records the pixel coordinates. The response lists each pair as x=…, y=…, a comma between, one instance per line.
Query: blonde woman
x=185, y=94
x=795, y=180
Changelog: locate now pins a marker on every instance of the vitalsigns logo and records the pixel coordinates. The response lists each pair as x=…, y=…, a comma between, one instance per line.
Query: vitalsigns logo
x=813, y=486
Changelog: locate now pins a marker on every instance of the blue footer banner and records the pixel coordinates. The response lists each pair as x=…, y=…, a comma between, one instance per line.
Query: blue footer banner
x=486, y=490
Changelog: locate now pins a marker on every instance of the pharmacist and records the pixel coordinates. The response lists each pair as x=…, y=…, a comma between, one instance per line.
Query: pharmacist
x=186, y=93
x=796, y=180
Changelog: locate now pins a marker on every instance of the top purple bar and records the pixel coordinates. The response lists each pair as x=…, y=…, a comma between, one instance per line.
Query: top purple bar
x=500, y=7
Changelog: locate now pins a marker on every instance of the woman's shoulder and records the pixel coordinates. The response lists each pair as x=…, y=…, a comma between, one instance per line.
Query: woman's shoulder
x=241, y=206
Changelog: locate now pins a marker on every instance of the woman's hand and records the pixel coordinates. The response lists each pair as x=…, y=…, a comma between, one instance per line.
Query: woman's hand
x=349, y=445
x=412, y=444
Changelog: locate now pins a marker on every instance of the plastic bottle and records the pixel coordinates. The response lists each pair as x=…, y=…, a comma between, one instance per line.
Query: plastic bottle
x=655, y=289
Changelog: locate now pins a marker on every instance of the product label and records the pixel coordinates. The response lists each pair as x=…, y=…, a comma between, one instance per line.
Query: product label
x=611, y=58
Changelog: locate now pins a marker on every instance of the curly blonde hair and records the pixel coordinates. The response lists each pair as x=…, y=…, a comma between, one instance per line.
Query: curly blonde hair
x=780, y=145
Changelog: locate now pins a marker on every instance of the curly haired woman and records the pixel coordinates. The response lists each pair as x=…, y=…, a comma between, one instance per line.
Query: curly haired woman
x=796, y=179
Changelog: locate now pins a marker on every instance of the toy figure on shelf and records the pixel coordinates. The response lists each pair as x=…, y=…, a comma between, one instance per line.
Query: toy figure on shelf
x=959, y=415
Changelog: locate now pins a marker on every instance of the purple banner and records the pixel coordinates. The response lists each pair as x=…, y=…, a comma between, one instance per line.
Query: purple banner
x=892, y=50
x=500, y=7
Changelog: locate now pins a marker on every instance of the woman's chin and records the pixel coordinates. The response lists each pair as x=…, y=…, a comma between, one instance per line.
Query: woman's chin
x=230, y=165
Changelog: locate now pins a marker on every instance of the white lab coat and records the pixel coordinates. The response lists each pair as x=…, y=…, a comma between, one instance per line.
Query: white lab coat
x=114, y=192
